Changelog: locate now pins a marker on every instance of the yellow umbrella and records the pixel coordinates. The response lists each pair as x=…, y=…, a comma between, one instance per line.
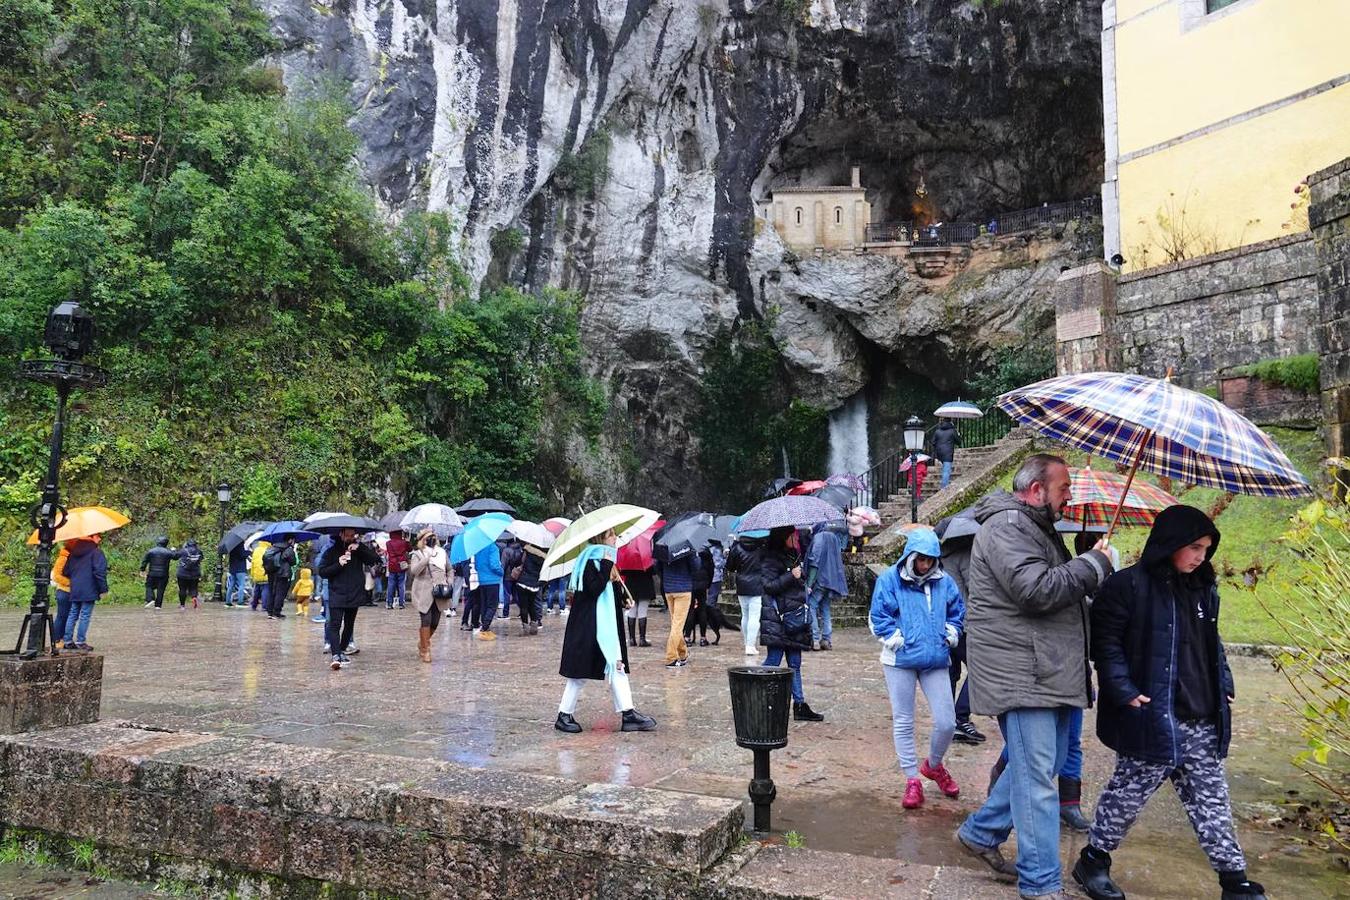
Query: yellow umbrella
x=627, y=521
x=84, y=521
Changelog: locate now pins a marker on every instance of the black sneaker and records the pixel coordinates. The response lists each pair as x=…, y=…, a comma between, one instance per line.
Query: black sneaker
x=636, y=721
x=566, y=723
x=967, y=733
x=677, y=664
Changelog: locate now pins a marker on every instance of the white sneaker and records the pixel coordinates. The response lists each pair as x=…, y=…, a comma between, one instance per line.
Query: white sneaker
x=327, y=648
x=149, y=603
x=751, y=651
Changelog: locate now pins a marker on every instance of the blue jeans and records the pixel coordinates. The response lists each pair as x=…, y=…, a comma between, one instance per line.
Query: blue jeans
x=237, y=584
x=77, y=623
x=397, y=584
x=1026, y=797
x=946, y=474
x=1073, y=759
x=557, y=589
x=818, y=601
x=62, y=614
x=794, y=660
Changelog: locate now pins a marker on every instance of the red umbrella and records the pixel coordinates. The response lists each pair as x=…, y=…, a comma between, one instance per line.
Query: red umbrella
x=636, y=555
x=806, y=487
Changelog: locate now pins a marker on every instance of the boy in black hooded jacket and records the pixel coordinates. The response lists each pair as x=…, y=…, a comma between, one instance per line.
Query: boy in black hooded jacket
x=1165, y=691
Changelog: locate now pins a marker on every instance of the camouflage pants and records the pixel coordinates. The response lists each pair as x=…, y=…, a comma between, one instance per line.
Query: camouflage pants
x=1199, y=781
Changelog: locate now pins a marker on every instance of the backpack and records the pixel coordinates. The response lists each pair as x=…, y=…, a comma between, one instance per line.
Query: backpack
x=272, y=563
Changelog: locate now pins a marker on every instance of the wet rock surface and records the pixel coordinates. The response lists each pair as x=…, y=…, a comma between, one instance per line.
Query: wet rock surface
x=366, y=742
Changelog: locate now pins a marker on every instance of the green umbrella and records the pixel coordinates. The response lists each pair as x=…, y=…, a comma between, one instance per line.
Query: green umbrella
x=627, y=522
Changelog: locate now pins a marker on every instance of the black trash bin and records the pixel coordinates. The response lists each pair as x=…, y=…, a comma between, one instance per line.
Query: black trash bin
x=761, y=698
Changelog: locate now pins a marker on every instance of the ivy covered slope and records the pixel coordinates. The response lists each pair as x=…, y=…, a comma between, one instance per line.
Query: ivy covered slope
x=261, y=321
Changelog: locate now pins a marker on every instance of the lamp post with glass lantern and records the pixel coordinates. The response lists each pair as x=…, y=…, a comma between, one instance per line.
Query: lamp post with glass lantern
x=914, y=436
x=223, y=494
x=69, y=335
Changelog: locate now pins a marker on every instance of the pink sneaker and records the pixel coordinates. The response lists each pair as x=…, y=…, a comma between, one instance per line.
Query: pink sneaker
x=945, y=782
x=913, y=794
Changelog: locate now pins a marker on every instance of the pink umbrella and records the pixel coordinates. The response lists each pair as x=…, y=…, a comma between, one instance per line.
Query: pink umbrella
x=556, y=524
x=806, y=487
x=636, y=555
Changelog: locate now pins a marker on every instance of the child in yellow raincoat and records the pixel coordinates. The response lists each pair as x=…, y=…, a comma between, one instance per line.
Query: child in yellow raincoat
x=303, y=590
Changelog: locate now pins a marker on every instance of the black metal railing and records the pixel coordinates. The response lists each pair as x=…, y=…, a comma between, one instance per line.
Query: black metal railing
x=885, y=480
x=882, y=481
x=947, y=233
x=985, y=431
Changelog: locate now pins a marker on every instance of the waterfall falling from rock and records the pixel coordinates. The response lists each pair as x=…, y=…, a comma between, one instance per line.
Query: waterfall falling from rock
x=848, y=437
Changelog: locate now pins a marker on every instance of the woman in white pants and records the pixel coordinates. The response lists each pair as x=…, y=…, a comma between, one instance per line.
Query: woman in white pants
x=744, y=561
x=593, y=647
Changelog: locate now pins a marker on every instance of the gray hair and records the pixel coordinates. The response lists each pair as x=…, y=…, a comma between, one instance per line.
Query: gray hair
x=1034, y=471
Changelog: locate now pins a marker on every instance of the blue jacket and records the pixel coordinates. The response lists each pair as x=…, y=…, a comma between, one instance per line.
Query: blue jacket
x=826, y=558
x=87, y=569
x=488, y=563
x=920, y=612
x=677, y=577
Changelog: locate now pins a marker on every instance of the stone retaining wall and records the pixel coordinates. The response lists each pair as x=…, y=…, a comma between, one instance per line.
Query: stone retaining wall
x=308, y=820
x=1329, y=215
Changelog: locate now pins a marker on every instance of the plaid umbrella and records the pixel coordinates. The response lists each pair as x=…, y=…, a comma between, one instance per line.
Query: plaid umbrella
x=1096, y=495
x=793, y=510
x=1153, y=424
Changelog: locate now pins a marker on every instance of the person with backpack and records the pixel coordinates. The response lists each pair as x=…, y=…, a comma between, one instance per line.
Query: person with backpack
x=189, y=572
x=261, y=595
x=155, y=571
x=279, y=563
x=513, y=562
x=917, y=614
x=784, y=620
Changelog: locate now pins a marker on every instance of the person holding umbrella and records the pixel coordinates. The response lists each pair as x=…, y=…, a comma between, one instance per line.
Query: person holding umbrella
x=396, y=555
x=945, y=440
x=1166, y=700
x=592, y=647
x=279, y=563
x=87, y=569
x=784, y=619
x=743, y=561
x=343, y=566
x=430, y=590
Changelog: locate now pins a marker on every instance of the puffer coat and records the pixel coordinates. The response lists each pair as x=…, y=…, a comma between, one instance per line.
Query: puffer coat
x=784, y=620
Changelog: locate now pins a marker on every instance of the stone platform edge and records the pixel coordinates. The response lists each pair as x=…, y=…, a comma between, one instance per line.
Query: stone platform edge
x=314, y=820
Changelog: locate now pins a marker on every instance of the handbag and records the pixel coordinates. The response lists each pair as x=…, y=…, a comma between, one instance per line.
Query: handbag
x=793, y=619
x=440, y=591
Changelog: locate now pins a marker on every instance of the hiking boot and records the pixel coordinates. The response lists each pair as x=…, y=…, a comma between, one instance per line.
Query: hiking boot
x=1070, y=808
x=486, y=636
x=967, y=733
x=826, y=644
x=803, y=713
x=636, y=721
x=1236, y=887
x=942, y=778
x=566, y=723
x=1093, y=874
x=913, y=794
x=992, y=857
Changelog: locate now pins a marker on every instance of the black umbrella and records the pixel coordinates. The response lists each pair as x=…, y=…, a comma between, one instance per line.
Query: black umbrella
x=836, y=495
x=683, y=538
x=237, y=535
x=338, y=521
x=393, y=521
x=779, y=485
x=485, y=505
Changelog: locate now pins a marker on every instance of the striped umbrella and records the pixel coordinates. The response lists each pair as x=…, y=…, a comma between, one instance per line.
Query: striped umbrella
x=958, y=409
x=1096, y=495
x=792, y=510
x=1153, y=424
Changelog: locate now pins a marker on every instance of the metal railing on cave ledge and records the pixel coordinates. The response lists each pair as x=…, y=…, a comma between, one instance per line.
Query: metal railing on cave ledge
x=947, y=233
x=885, y=480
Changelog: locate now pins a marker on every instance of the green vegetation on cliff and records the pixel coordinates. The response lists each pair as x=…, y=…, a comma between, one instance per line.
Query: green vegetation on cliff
x=261, y=320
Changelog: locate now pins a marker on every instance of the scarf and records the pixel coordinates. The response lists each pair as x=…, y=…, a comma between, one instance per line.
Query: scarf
x=437, y=559
x=606, y=623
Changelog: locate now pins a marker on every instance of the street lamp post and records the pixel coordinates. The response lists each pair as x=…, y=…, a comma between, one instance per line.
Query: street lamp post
x=223, y=494
x=69, y=335
x=914, y=435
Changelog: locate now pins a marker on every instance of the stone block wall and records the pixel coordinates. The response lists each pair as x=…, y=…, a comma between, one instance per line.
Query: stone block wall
x=1227, y=309
x=1268, y=404
x=1085, y=316
x=50, y=691
x=1329, y=217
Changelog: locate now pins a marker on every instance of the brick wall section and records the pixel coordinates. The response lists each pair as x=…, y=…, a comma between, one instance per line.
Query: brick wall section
x=1329, y=216
x=1268, y=404
x=1228, y=309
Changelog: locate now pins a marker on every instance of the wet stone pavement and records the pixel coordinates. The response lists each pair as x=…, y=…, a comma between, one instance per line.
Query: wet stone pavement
x=492, y=705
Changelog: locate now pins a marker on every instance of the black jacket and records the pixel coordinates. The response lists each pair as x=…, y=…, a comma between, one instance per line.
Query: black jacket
x=285, y=558
x=784, y=620
x=190, y=562
x=744, y=561
x=702, y=567
x=581, y=654
x=945, y=440
x=513, y=554
x=156, y=561
x=346, y=584
x=1135, y=636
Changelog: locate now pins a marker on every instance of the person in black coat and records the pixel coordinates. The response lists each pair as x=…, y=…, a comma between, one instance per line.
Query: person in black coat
x=343, y=565
x=155, y=571
x=1166, y=690
x=529, y=596
x=189, y=573
x=945, y=440
x=279, y=562
x=588, y=634
x=784, y=619
x=743, y=560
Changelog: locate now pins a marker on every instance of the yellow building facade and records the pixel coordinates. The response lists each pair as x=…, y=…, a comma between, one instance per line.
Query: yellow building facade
x=1215, y=111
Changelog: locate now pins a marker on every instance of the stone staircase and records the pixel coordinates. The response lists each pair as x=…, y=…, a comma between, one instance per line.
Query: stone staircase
x=974, y=471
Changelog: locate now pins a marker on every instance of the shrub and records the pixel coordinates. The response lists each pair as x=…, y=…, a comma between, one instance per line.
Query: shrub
x=1299, y=373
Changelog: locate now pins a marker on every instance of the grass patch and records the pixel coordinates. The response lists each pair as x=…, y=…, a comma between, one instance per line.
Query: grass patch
x=1250, y=549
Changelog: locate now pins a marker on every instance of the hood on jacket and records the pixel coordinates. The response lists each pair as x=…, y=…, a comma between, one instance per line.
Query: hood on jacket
x=998, y=501
x=1174, y=528
x=161, y=542
x=80, y=547
x=190, y=543
x=925, y=541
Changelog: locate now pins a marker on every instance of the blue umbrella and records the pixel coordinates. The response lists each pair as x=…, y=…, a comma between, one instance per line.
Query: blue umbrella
x=482, y=531
x=280, y=531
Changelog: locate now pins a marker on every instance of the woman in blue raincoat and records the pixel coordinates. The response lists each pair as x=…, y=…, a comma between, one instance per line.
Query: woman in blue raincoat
x=917, y=614
x=592, y=646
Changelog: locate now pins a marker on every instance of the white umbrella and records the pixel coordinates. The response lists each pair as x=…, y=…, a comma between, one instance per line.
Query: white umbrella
x=958, y=409
x=252, y=541
x=531, y=533
x=314, y=517
x=627, y=522
x=431, y=514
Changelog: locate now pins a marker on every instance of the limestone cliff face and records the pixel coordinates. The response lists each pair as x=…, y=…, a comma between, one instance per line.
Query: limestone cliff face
x=626, y=141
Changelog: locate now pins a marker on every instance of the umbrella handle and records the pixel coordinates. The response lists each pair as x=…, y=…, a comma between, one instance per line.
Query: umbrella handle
x=1138, y=458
